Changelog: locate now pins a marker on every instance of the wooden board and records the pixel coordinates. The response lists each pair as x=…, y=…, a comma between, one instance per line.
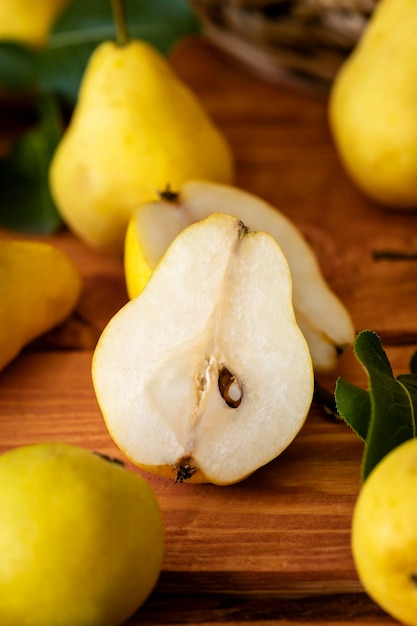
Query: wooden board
x=274, y=549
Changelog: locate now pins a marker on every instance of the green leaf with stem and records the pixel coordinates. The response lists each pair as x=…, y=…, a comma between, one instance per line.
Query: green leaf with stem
x=389, y=417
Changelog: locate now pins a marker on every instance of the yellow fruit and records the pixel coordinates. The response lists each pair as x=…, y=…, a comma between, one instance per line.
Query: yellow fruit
x=372, y=107
x=81, y=538
x=39, y=287
x=29, y=21
x=136, y=129
x=206, y=375
x=384, y=533
x=322, y=317
x=151, y=229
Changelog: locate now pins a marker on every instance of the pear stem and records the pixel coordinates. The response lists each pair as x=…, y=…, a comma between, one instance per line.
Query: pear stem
x=122, y=35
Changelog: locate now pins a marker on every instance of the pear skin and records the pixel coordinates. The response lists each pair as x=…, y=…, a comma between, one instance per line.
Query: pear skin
x=136, y=130
x=28, y=22
x=98, y=575
x=383, y=535
x=372, y=108
x=40, y=286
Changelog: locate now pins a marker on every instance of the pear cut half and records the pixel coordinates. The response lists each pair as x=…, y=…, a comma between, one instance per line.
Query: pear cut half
x=321, y=315
x=206, y=375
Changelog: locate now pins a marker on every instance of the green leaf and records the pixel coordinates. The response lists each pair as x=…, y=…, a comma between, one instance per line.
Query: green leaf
x=26, y=203
x=86, y=23
x=18, y=67
x=354, y=406
x=410, y=383
x=391, y=419
x=413, y=363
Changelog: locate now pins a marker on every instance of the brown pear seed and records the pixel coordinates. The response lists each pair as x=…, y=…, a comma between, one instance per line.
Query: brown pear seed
x=229, y=387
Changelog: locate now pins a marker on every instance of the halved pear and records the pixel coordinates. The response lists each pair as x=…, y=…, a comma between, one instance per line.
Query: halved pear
x=206, y=375
x=323, y=318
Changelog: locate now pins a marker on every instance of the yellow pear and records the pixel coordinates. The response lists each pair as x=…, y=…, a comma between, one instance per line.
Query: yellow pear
x=29, y=21
x=320, y=314
x=136, y=128
x=384, y=533
x=81, y=538
x=39, y=287
x=372, y=107
x=206, y=375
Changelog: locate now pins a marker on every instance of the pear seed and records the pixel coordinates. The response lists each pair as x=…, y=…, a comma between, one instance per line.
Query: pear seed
x=230, y=387
x=234, y=391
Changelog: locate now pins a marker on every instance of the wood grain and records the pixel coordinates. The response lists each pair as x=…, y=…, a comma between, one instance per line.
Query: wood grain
x=274, y=549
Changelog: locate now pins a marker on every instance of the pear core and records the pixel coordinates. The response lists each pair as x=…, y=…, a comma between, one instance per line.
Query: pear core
x=206, y=375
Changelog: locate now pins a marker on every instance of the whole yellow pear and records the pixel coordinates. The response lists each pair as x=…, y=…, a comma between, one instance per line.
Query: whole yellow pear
x=81, y=538
x=136, y=129
x=39, y=286
x=29, y=21
x=384, y=533
x=372, y=107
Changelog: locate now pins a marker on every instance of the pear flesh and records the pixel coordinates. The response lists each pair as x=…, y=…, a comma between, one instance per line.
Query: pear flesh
x=206, y=376
x=323, y=318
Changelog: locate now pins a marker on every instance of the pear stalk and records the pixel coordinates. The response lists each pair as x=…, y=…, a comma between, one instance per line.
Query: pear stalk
x=122, y=35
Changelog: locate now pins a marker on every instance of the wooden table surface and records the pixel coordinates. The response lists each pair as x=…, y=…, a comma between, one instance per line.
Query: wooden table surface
x=274, y=549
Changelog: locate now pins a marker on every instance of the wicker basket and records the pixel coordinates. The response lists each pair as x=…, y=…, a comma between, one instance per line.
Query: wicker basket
x=297, y=41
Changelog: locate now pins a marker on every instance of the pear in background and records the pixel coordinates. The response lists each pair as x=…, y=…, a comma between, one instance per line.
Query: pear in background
x=39, y=288
x=135, y=130
x=372, y=107
x=29, y=22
